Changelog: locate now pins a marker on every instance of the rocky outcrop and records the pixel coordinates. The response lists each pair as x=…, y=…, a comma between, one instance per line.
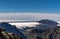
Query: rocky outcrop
x=12, y=29
x=7, y=35
x=53, y=33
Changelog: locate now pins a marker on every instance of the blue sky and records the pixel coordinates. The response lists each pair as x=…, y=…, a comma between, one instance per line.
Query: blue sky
x=30, y=6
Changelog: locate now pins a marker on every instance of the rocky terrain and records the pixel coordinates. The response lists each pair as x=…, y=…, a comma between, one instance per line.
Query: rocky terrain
x=46, y=30
x=7, y=35
x=53, y=33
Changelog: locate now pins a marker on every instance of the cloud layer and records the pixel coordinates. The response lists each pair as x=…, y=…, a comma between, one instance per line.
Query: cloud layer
x=29, y=16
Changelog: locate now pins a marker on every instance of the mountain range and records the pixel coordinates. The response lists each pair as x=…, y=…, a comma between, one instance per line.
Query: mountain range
x=42, y=24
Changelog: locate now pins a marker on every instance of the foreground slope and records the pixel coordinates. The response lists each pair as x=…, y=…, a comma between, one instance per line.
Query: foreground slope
x=11, y=29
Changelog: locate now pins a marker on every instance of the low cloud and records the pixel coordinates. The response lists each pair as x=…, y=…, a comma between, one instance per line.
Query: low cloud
x=29, y=16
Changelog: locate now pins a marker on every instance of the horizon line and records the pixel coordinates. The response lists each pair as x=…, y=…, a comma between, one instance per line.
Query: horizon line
x=28, y=13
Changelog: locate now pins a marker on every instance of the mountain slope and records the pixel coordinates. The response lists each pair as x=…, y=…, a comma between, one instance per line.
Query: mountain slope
x=13, y=29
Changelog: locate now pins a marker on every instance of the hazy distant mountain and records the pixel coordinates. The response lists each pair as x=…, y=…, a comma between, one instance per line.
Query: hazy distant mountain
x=48, y=22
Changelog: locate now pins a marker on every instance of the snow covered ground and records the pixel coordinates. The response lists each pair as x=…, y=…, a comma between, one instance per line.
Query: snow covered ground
x=59, y=23
x=28, y=24
x=25, y=24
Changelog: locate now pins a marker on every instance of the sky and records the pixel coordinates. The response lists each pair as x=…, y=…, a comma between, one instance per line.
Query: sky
x=30, y=6
x=29, y=9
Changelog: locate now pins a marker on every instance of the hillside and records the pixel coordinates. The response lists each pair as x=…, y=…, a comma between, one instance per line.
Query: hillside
x=53, y=33
x=11, y=29
x=7, y=35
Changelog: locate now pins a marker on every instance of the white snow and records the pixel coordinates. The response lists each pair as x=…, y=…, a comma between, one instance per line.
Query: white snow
x=26, y=24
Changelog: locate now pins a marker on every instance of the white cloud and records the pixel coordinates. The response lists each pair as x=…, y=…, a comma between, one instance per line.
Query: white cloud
x=29, y=16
